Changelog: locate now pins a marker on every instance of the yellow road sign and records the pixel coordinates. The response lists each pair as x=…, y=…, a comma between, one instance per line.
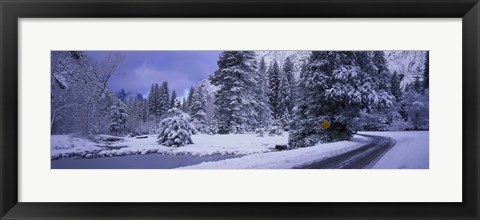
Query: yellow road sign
x=326, y=124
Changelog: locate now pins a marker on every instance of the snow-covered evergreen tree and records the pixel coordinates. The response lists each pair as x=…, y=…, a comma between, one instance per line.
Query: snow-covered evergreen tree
x=288, y=70
x=144, y=110
x=334, y=87
x=263, y=109
x=164, y=98
x=172, y=99
x=284, y=102
x=189, y=99
x=176, y=129
x=198, y=108
x=118, y=118
x=382, y=74
x=177, y=103
x=273, y=85
x=284, y=120
x=210, y=108
x=235, y=98
x=154, y=102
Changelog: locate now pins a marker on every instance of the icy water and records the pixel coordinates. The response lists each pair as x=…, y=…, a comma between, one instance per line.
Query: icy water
x=148, y=161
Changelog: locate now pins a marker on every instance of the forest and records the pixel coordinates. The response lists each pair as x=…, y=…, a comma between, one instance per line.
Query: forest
x=326, y=96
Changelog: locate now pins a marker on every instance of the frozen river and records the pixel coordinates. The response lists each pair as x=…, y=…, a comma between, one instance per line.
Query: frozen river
x=148, y=161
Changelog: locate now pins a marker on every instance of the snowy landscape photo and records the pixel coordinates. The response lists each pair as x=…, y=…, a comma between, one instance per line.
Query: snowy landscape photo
x=239, y=110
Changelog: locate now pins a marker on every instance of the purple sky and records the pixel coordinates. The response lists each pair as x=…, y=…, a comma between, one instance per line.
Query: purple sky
x=181, y=69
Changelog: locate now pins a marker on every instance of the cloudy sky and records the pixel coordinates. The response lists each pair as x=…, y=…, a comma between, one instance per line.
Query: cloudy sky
x=181, y=69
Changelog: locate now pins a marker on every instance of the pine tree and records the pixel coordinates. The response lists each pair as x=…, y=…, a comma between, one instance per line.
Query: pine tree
x=164, y=98
x=382, y=76
x=118, y=118
x=288, y=70
x=235, y=99
x=198, y=108
x=264, y=111
x=274, y=84
x=189, y=99
x=144, y=110
x=426, y=70
x=154, y=101
x=151, y=100
x=334, y=87
x=172, y=100
x=284, y=101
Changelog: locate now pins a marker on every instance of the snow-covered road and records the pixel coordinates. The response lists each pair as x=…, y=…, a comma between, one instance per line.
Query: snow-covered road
x=363, y=157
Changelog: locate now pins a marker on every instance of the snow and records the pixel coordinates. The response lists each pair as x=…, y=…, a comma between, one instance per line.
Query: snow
x=204, y=145
x=410, y=152
x=67, y=146
x=286, y=159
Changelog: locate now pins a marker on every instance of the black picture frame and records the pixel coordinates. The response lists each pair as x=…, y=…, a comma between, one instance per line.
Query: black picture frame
x=12, y=10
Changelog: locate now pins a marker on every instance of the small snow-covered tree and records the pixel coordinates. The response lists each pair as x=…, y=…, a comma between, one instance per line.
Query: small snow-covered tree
x=118, y=118
x=176, y=129
x=275, y=129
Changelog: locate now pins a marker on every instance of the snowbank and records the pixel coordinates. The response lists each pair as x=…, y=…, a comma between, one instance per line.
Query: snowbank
x=286, y=159
x=410, y=152
x=69, y=146
x=64, y=146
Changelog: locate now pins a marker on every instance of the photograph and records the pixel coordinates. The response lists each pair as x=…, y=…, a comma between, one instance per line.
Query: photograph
x=265, y=109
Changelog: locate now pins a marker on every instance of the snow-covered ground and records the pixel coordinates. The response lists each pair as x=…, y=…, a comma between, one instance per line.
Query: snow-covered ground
x=238, y=144
x=410, y=152
x=67, y=146
x=286, y=159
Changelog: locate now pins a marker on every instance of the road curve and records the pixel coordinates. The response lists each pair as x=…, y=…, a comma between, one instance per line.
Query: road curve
x=361, y=158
